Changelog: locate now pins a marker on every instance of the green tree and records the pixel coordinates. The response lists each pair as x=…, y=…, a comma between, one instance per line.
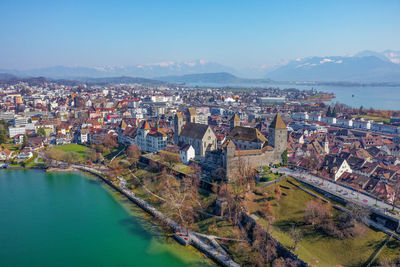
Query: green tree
x=361, y=110
x=329, y=112
x=24, y=142
x=334, y=112
x=41, y=132
x=3, y=138
x=284, y=158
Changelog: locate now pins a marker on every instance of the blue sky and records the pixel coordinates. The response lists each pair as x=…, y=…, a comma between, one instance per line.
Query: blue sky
x=231, y=32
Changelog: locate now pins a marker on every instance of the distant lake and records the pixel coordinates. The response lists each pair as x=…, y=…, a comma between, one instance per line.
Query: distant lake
x=68, y=219
x=368, y=96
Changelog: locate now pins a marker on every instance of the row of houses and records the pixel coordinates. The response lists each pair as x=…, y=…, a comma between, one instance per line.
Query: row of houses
x=348, y=123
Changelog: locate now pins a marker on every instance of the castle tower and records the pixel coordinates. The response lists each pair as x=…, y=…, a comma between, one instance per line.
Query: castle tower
x=229, y=158
x=146, y=128
x=325, y=143
x=277, y=135
x=178, y=125
x=234, y=121
x=191, y=115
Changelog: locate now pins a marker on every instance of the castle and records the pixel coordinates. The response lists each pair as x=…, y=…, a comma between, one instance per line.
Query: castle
x=248, y=147
x=243, y=145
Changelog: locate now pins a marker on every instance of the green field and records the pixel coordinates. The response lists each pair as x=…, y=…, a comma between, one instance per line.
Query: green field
x=269, y=177
x=315, y=248
x=79, y=149
x=375, y=118
x=390, y=252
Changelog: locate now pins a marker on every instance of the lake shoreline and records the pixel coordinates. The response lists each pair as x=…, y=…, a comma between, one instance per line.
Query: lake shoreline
x=73, y=193
x=165, y=222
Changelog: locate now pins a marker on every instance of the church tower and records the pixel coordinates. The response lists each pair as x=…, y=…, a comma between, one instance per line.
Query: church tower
x=277, y=135
x=325, y=143
x=178, y=125
x=234, y=121
x=191, y=115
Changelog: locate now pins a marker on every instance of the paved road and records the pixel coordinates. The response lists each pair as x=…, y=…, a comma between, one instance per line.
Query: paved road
x=341, y=191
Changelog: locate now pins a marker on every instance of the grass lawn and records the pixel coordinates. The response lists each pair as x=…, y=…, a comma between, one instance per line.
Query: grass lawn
x=11, y=146
x=390, y=252
x=79, y=149
x=114, y=152
x=180, y=167
x=269, y=177
x=315, y=248
x=375, y=118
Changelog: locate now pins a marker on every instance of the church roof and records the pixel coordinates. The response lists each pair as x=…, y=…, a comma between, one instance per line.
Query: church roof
x=277, y=123
x=146, y=126
x=247, y=134
x=194, y=130
x=235, y=117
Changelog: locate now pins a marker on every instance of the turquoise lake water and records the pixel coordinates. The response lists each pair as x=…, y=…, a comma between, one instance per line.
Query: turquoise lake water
x=67, y=219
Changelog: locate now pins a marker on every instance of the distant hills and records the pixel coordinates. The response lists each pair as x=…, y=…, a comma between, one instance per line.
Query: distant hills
x=216, y=78
x=120, y=80
x=364, y=67
x=12, y=79
x=168, y=68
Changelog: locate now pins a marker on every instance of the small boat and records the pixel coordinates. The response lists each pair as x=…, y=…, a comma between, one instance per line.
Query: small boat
x=352, y=95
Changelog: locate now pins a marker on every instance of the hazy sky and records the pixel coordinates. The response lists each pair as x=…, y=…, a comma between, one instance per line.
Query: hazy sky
x=235, y=33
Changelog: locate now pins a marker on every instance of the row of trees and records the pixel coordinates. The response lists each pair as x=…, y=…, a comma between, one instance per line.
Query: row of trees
x=330, y=112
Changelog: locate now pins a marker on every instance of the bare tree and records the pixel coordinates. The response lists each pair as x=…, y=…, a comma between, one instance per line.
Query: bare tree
x=220, y=174
x=70, y=157
x=169, y=158
x=279, y=262
x=90, y=155
x=396, y=194
x=234, y=202
x=110, y=141
x=183, y=202
x=195, y=171
x=278, y=194
x=358, y=212
x=316, y=212
x=264, y=245
x=296, y=236
x=133, y=153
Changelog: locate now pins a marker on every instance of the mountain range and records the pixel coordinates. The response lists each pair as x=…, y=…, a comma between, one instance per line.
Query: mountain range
x=364, y=67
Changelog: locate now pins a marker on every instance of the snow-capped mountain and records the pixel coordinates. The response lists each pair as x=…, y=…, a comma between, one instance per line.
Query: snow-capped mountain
x=367, y=66
x=393, y=56
x=364, y=67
